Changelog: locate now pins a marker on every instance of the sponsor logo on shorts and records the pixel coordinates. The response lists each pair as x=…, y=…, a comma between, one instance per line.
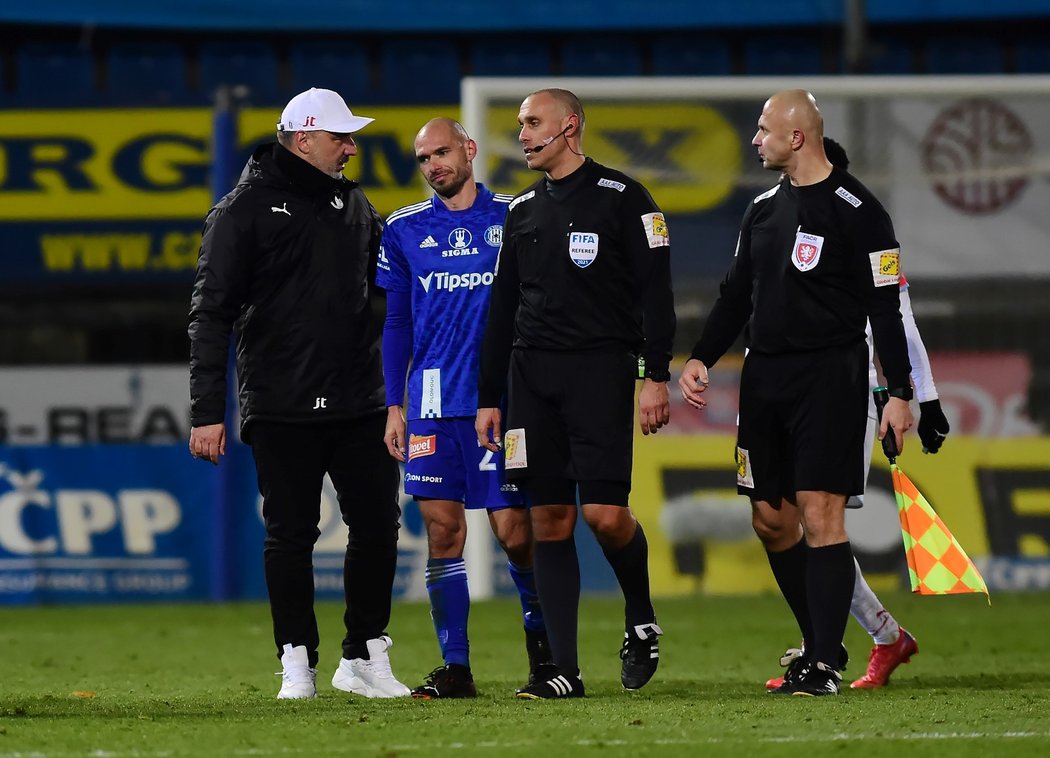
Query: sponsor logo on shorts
x=656, y=230
x=426, y=478
x=886, y=267
x=515, y=453
x=419, y=447
x=744, y=476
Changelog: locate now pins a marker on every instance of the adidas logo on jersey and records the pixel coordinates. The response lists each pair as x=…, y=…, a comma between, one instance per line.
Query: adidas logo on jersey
x=428, y=242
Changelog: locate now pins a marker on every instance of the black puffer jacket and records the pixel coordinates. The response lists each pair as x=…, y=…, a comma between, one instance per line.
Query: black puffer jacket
x=287, y=262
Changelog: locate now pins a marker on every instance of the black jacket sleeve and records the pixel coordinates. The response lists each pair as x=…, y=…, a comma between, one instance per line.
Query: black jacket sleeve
x=732, y=310
x=219, y=292
x=499, y=331
x=878, y=263
x=650, y=252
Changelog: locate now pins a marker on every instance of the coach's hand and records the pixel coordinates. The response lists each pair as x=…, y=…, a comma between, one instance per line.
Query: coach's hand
x=933, y=426
x=693, y=383
x=489, y=420
x=394, y=436
x=654, y=406
x=208, y=442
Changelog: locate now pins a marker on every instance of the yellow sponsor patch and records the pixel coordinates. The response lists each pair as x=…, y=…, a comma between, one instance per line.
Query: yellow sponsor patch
x=886, y=267
x=516, y=454
x=656, y=230
x=744, y=476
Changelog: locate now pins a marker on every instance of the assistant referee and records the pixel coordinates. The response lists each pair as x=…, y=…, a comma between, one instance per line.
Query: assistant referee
x=816, y=257
x=582, y=290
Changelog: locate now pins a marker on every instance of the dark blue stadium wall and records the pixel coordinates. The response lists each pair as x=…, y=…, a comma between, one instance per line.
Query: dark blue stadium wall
x=472, y=15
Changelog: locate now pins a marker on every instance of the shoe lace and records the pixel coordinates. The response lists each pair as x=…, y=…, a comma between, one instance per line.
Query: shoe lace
x=436, y=676
x=294, y=674
x=380, y=667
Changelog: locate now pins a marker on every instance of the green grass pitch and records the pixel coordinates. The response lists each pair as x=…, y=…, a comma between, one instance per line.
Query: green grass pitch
x=197, y=680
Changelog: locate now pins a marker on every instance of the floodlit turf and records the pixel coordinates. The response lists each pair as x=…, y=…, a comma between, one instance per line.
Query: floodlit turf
x=198, y=680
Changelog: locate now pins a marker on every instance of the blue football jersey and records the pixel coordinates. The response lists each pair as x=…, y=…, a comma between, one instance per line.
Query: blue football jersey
x=447, y=261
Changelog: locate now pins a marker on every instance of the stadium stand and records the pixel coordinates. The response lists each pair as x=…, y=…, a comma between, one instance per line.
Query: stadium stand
x=781, y=54
x=341, y=65
x=252, y=64
x=55, y=75
x=950, y=54
x=419, y=70
x=1032, y=55
x=601, y=55
x=510, y=56
x=147, y=73
x=890, y=54
x=691, y=55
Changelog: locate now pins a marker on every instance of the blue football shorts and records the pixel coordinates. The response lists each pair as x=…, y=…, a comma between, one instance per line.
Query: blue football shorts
x=445, y=462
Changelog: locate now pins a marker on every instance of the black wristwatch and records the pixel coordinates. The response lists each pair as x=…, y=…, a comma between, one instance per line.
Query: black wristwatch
x=904, y=393
x=658, y=376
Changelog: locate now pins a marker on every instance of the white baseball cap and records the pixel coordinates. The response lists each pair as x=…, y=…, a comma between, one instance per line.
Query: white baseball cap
x=317, y=110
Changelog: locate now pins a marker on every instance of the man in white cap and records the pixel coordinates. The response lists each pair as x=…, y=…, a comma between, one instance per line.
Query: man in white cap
x=287, y=263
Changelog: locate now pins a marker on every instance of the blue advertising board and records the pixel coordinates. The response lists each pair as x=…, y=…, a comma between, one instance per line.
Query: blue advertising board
x=124, y=523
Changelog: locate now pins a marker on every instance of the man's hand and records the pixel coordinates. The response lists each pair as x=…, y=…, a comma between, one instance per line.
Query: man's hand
x=208, y=442
x=489, y=420
x=654, y=406
x=394, y=436
x=933, y=426
x=897, y=414
x=693, y=383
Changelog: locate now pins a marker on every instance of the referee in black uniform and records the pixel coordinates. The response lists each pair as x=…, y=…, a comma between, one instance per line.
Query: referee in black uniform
x=816, y=256
x=581, y=308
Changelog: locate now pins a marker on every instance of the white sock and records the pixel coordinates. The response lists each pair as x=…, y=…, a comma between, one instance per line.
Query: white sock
x=868, y=611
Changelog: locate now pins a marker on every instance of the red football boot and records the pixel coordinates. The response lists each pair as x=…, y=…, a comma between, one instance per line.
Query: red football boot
x=884, y=661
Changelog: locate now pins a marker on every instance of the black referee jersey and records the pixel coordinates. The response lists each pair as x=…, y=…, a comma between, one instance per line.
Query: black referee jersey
x=585, y=264
x=813, y=263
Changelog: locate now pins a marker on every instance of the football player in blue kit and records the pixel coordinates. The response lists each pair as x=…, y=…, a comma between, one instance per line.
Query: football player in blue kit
x=437, y=263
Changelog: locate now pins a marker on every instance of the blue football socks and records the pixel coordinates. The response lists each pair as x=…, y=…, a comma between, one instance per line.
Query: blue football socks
x=449, y=607
x=525, y=581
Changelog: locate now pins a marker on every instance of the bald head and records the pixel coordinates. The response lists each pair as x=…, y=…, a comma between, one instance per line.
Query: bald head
x=444, y=153
x=799, y=108
x=790, y=137
x=447, y=129
x=565, y=102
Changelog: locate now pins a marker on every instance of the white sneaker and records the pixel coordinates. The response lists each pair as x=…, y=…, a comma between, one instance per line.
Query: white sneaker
x=371, y=678
x=298, y=680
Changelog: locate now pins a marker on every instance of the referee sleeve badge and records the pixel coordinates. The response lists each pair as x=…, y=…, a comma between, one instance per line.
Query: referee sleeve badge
x=886, y=267
x=656, y=230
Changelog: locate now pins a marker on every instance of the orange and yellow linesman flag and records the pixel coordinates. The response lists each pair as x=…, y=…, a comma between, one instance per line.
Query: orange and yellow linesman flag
x=937, y=564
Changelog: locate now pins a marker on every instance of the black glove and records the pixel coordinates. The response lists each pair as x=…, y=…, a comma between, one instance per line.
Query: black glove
x=933, y=426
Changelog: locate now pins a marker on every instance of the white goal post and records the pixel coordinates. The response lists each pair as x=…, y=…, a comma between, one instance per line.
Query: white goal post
x=962, y=164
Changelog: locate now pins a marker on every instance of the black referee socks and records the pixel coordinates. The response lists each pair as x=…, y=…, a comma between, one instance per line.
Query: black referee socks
x=830, y=575
x=557, y=571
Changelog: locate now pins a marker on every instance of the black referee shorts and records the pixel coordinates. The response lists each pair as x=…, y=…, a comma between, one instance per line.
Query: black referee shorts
x=802, y=423
x=570, y=422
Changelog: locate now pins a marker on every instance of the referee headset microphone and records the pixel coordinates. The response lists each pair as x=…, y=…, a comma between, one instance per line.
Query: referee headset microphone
x=564, y=132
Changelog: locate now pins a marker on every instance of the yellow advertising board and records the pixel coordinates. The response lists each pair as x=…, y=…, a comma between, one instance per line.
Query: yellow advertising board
x=687, y=154
x=994, y=495
x=155, y=163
